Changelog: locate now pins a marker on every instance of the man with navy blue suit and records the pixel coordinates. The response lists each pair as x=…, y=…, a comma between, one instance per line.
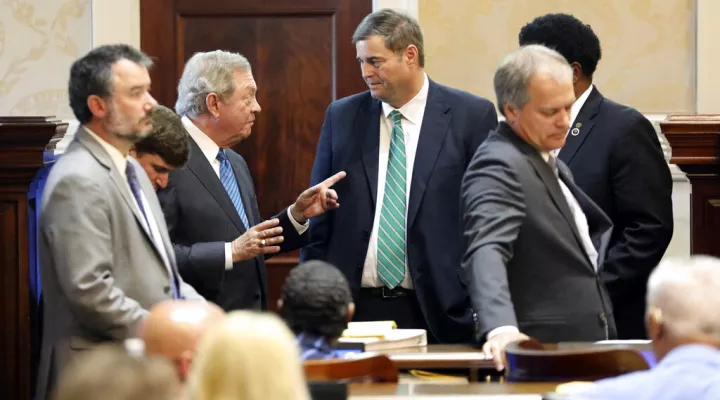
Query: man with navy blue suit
x=405, y=145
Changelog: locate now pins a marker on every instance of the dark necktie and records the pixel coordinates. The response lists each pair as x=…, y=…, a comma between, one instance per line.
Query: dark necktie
x=135, y=188
x=552, y=162
x=227, y=177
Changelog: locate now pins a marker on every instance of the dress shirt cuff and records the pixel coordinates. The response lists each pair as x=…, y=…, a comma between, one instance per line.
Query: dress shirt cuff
x=228, y=256
x=502, y=329
x=300, y=228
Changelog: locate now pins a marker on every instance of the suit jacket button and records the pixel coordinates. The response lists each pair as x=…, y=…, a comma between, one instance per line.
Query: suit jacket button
x=257, y=295
x=166, y=289
x=602, y=319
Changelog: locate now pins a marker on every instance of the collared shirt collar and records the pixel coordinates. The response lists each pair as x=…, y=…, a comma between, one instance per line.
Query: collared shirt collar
x=692, y=353
x=412, y=110
x=116, y=156
x=579, y=103
x=208, y=147
x=314, y=347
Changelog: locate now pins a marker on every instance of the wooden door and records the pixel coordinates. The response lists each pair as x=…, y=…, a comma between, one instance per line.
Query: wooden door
x=302, y=59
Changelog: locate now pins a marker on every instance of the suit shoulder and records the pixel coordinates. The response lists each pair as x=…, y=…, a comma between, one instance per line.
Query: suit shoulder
x=624, y=124
x=498, y=149
x=77, y=175
x=79, y=164
x=351, y=102
x=621, y=113
x=460, y=97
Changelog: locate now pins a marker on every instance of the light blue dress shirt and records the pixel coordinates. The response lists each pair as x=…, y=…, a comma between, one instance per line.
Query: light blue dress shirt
x=690, y=372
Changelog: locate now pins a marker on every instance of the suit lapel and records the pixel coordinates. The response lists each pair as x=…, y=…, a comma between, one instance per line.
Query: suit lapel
x=367, y=123
x=599, y=224
x=120, y=183
x=434, y=129
x=202, y=169
x=123, y=187
x=244, y=181
x=127, y=196
x=546, y=174
x=553, y=186
x=581, y=127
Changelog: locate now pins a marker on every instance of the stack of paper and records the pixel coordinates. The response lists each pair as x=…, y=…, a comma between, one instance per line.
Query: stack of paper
x=382, y=335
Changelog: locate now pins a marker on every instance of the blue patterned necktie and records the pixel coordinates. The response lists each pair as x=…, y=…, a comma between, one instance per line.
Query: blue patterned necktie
x=227, y=177
x=135, y=189
x=391, y=232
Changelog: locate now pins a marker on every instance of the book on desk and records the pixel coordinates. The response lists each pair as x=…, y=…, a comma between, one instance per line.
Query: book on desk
x=380, y=336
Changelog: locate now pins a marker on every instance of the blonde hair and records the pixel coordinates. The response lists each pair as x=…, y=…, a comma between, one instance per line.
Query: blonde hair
x=248, y=356
x=110, y=373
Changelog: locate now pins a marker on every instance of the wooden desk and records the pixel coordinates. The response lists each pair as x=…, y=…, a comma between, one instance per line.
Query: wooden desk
x=442, y=356
x=466, y=357
x=436, y=391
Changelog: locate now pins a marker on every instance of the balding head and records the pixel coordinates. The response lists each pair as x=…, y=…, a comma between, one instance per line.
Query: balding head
x=174, y=328
x=683, y=302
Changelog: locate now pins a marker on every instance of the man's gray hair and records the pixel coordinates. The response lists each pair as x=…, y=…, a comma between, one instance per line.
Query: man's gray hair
x=514, y=73
x=687, y=293
x=205, y=73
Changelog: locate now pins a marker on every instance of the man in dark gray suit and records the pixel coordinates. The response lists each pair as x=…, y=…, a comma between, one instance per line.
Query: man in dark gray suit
x=105, y=253
x=210, y=206
x=534, y=241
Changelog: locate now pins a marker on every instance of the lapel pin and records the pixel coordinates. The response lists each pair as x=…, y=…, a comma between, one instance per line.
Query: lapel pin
x=576, y=130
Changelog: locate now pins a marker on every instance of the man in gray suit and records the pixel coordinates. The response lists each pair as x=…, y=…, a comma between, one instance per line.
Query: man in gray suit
x=105, y=253
x=534, y=241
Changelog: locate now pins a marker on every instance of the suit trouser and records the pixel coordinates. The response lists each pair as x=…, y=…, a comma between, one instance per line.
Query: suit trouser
x=399, y=305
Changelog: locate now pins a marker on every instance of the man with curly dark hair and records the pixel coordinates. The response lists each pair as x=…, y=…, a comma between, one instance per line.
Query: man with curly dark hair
x=616, y=158
x=317, y=305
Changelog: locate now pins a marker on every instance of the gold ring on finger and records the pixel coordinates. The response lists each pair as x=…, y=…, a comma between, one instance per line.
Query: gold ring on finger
x=262, y=242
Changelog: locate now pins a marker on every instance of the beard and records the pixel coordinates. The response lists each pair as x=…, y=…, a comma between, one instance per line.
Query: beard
x=124, y=128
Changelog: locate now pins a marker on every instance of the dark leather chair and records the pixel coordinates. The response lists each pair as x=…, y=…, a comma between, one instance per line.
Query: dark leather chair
x=532, y=361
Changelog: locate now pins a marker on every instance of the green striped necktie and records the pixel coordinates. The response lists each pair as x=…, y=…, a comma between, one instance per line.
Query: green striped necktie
x=391, y=235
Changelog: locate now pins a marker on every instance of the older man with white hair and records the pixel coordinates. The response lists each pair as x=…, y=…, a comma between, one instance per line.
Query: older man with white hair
x=211, y=207
x=683, y=321
x=534, y=241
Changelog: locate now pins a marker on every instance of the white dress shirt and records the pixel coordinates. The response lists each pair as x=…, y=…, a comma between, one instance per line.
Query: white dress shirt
x=580, y=219
x=583, y=229
x=210, y=150
x=412, y=113
x=574, y=111
x=120, y=163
